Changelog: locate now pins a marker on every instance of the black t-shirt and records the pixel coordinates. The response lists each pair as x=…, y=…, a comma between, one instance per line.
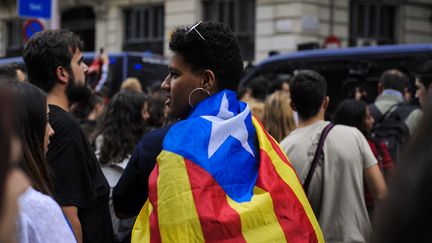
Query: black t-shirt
x=131, y=191
x=78, y=178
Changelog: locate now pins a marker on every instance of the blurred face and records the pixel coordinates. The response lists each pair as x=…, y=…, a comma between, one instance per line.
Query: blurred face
x=48, y=133
x=369, y=120
x=178, y=85
x=421, y=92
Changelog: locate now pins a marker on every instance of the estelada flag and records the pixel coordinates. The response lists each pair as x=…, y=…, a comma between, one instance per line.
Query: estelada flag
x=222, y=177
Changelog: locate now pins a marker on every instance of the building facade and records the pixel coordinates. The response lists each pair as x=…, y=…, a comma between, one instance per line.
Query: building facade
x=262, y=26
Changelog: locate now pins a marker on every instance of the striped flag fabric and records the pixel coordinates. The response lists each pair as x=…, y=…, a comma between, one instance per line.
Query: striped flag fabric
x=222, y=178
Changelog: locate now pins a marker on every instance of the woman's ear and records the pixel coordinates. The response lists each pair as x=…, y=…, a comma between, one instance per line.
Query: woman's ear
x=209, y=81
x=62, y=74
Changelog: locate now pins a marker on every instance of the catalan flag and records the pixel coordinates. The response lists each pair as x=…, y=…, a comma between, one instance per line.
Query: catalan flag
x=222, y=178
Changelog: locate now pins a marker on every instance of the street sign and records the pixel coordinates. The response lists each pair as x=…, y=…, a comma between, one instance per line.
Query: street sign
x=32, y=26
x=35, y=8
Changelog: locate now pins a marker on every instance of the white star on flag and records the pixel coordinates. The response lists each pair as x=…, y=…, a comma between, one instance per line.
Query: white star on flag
x=225, y=124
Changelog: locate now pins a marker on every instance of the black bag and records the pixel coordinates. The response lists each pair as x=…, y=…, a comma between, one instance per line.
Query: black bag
x=390, y=127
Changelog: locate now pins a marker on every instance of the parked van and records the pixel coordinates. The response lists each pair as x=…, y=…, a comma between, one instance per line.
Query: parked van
x=345, y=69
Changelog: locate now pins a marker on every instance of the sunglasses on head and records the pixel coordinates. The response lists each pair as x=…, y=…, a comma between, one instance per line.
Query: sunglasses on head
x=194, y=27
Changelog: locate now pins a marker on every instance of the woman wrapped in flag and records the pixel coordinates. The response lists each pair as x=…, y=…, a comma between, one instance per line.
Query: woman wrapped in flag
x=220, y=176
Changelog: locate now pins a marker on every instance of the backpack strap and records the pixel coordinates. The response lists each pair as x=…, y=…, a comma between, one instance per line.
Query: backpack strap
x=404, y=110
x=318, y=152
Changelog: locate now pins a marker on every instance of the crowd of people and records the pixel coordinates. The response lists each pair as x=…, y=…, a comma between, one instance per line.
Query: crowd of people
x=194, y=158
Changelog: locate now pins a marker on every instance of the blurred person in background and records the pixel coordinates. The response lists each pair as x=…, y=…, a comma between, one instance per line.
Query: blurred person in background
x=10, y=72
x=88, y=114
x=13, y=182
x=131, y=84
x=423, y=83
x=55, y=64
x=121, y=127
x=41, y=218
x=98, y=75
x=395, y=119
x=281, y=85
x=256, y=93
x=278, y=115
x=13, y=70
x=155, y=90
x=392, y=86
x=156, y=112
x=332, y=162
x=355, y=113
x=405, y=215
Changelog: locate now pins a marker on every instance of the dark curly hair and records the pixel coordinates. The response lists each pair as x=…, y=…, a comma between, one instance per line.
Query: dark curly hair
x=47, y=50
x=219, y=52
x=122, y=126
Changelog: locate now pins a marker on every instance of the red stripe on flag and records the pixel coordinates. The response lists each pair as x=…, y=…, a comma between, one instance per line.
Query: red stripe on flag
x=275, y=146
x=154, y=225
x=288, y=209
x=219, y=222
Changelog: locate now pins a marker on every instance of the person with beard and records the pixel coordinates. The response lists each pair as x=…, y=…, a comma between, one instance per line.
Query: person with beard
x=55, y=64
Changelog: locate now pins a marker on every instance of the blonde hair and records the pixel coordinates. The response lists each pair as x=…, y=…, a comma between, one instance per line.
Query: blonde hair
x=278, y=116
x=131, y=84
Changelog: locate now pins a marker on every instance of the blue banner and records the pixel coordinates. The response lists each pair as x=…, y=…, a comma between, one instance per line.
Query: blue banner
x=35, y=8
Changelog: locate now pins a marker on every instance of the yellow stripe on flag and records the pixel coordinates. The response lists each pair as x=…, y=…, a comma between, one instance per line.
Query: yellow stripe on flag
x=258, y=219
x=177, y=214
x=289, y=176
x=141, y=229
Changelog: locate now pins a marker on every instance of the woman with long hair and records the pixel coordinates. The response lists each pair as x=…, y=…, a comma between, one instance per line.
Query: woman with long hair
x=41, y=218
x=278, y=115
x=121, y=127
x=356, y=113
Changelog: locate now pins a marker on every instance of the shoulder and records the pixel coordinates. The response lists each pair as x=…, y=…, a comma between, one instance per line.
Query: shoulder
x=153, y=137
x=416, y=114
x=412, y=121
x=346, y=134
x=32, y=200
x=62, y=122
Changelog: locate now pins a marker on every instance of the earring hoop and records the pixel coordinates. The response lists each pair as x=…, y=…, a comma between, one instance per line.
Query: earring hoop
x=196, y=89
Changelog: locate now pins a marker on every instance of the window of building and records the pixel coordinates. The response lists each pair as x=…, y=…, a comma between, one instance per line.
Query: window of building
x=81, y=21
x=14, y=37
x=372, y=22
x=144, y=29
x=239, y=15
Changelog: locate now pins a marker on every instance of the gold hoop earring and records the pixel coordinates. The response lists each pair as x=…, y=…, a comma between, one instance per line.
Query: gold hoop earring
x=190, y=95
